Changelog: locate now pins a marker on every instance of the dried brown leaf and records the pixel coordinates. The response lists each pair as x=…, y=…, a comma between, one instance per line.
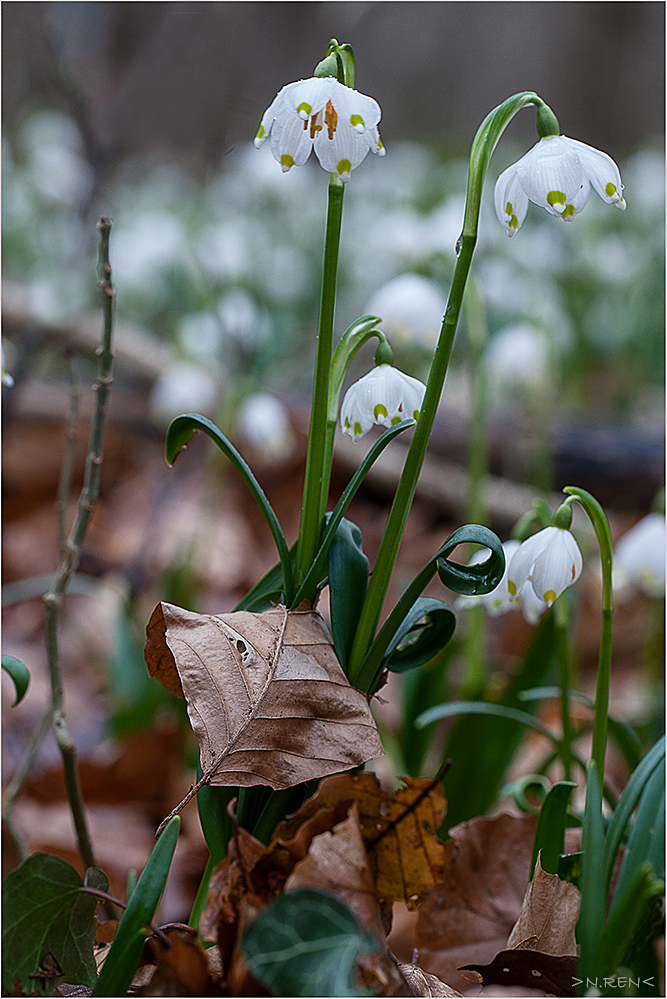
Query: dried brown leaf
x=398, y=831
x=267, y=698
x=181, y=968
x=529, y=969
x=548, y=915
x=422, y=984
x=468, y=916
x=336, y=863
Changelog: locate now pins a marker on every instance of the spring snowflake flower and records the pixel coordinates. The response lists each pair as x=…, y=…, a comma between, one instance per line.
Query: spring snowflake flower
x=639, y=557
x=321, y=113
x=411, y=307
x=556, y=174
x=384, y=396
x=550, y=560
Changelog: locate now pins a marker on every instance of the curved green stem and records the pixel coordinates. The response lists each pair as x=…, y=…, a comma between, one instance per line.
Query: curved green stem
x=597, y=517
x=562, y=650
x=312, y=511
x=483, y=145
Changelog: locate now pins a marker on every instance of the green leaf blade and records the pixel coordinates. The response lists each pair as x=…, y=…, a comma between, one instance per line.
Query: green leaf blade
x=306, y=943
x=45, y=910
x=19, y=673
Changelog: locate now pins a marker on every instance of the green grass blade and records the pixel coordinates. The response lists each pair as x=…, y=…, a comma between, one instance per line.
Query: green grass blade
x=646, y=841
x=550, y=832
x=482, y=708
x=625, y=919
x=121, y=963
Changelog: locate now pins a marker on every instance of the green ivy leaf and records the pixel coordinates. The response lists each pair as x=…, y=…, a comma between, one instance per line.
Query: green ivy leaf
x=46, y=912
x=306, y=943
x=348, y=581
x=20, y=675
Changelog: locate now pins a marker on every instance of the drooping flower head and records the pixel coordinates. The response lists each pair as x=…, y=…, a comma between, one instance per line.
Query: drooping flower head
x=499, y=601
x=321, y=113
x=550, y=560
x=384, y=396
x=556, y=174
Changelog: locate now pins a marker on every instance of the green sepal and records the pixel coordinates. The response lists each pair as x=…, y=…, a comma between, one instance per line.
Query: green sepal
x=121, y=963
x=348, y=581
x=19, y=673
x=179, y=433
x=416, y=643
x=550, y=832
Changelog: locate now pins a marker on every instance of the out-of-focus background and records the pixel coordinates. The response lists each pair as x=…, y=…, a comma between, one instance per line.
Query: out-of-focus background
x=145, y=112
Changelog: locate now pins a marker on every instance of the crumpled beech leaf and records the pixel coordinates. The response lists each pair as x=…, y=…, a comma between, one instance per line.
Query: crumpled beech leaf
x=422, y=984
x=548, y=915
x=267, y=698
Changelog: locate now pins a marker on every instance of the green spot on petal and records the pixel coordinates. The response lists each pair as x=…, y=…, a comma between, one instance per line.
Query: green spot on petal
x=380, y=411
x=511, y=586
x=344, y=167
x=549, y=597
x=415, y=414
x=357, y=430
x=509, y=208
x=347, y=422
x=261, y=133
x=555, y=198
x=513, y=222
x=568, y=212
x=395, y=420
x=610, y=189
x=356, y=121
x=304, y=110
x=286, y=161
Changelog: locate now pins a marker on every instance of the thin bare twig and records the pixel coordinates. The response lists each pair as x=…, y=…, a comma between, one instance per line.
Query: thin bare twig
x=66, y=471
x=72, y=553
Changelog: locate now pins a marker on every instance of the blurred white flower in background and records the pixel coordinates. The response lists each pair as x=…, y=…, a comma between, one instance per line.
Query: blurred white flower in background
x=264, y=424
x=519, y=356
x=147, y=245
x=242, y=320
x=200, y=335
x=499, y=601
x=639, y=557
x=54, y=150
x=411, y=309
x=183, y=387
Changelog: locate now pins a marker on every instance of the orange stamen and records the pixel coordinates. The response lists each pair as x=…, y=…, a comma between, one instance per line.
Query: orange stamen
x=330, y=119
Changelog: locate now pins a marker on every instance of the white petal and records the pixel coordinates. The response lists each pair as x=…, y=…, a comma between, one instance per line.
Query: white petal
x=640, y=555
x=384, y=396
x=290, y=141
x=531, y=606
x=350, y=106
x=557, y=565
x=602, y=172
x=551, y=168
x=510, y=199
x=523, y=561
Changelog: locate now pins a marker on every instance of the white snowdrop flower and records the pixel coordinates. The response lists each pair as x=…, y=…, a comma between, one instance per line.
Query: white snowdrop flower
x=321, y=113
x=639, y=556
x=550, y=560
x=242, y=320
x=264, y=423
x=384, y=396
x=183, y=388
x=556, y=174
x=518, y=356
x=411, y=308
x=200, y=335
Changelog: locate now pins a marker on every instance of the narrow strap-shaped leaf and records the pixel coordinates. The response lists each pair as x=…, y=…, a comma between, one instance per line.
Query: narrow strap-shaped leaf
x=415, y=644
x=348, y=581
x=19, y=673
x=646, y=841
x=269, y=590
x=481, y=708
x=317, y=571
x=179, y=433
x=121, y=963
x=550, y=832
x=476, y=579
x=627, y=803
x=591, y=880
x=625, y=918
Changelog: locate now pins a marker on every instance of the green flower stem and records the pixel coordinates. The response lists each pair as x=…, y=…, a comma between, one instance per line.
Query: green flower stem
x=483, y=145
x=600, y=524
x=562, y=650
x=312, y=512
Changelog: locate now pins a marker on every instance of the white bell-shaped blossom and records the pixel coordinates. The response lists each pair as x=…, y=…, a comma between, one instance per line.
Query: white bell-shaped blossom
x=550, y=560
x=321, y=113
x=556, y=174
x=639, y=557
x=264, y=424
x=384, y=396
x=499, y=601
x=411, y=308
